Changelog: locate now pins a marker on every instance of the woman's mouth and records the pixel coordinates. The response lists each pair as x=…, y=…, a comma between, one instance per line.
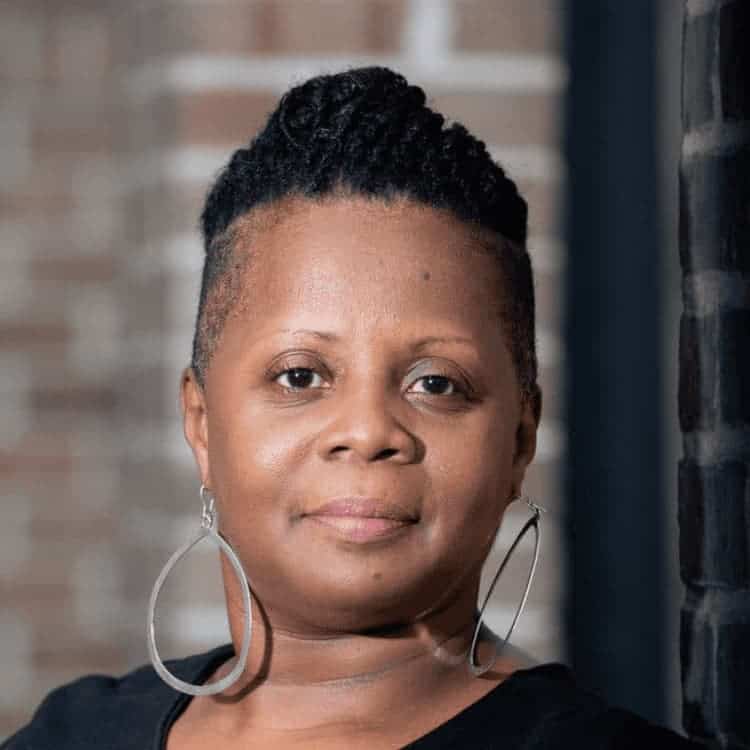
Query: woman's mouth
x=362, y=519
x=361, y=529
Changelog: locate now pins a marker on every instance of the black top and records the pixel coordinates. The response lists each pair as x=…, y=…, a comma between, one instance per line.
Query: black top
x=537, y=708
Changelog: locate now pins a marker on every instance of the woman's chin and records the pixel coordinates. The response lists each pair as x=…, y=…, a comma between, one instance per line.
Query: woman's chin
x=352, y=576
x=357, y=603
x=337, y=595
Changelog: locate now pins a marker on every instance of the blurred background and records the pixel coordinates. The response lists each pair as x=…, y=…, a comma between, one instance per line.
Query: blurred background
x=114, y=119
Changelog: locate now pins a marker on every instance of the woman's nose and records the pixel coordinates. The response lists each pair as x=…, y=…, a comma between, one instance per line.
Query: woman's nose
x=368, y=424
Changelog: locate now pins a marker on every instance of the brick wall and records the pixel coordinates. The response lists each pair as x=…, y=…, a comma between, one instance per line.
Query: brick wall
x=714, y=397
x=119, y=114
x=60, y=318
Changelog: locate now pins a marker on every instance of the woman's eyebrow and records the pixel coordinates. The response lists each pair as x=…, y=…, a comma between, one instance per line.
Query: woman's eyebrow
x=326, y=335
x=416, y=345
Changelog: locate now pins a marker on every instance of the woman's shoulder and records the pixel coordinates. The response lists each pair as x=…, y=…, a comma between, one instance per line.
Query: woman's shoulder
x=88, y=712
x=116, y=712
x=554, y=710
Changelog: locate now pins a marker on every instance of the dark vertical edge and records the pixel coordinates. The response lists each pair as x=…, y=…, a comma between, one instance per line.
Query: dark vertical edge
x=614, y=504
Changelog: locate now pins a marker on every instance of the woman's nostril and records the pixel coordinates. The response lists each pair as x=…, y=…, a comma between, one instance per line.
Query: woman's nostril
x=387, y=452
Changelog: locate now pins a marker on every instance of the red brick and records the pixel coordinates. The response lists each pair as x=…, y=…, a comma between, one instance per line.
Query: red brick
x=550, y=381
x=548, y=299
x=13, y=464
x=54, y=651
x=221, y=117
x=34, y=598
x=79, y=45
x=69, y=267
x=84, y=136
x=23, y=335
x=151, y=31
x=544, y=207
x=75, y=398
x=541, y=482
x=198, y=28
x=146, y=312
x=22, y=37
x=82, y=530
x=12, y=720
x=45, y=195
x=141, y=34
x=518, y=26
x=59, y=500
x=52, y=564
x=180, y=206
x=23, y=206
x=38, y=452
x=329, y=26
x=144, y=397
x=504, y=119
x=273, y=27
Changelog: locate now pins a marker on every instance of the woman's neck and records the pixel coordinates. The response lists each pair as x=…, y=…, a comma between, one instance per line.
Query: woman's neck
x=296, y=681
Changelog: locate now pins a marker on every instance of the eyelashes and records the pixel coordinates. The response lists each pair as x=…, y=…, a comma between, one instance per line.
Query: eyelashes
x=438, y=379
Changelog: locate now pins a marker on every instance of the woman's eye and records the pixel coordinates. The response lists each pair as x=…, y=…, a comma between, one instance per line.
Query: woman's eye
x=440, y=382
x=300, y=378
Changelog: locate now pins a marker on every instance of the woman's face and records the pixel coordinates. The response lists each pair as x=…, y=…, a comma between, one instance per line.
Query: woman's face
x=291, y=421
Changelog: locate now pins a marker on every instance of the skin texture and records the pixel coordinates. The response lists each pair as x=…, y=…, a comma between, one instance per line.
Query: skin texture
x=366, y=640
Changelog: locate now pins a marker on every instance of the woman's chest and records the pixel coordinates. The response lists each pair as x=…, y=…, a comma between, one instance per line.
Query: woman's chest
x=379, y=728
x=184, y=738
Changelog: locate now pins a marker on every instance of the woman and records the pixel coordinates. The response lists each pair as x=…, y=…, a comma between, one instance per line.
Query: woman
x=362, y=405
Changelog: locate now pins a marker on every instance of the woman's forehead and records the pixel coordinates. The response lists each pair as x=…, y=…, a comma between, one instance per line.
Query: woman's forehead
x=320, y=217
x=378, y=286
x=357, y=258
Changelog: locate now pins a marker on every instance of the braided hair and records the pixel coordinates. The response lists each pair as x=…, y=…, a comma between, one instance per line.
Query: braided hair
x=366, y=132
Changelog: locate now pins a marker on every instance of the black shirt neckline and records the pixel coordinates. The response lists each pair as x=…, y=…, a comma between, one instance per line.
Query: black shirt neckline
x=199, y=667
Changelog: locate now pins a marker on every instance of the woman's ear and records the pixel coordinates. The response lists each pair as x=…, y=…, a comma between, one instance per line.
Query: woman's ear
x=531, y=412
x=195, y=421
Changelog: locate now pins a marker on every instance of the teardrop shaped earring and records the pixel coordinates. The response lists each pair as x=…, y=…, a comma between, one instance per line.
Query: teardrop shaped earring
x=533, y=522
x=209, y=528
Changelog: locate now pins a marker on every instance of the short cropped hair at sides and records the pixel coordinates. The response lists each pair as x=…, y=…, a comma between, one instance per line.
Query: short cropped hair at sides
x=365, y=132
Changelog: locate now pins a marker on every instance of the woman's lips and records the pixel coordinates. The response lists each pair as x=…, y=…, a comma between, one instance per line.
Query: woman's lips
x=360, y=528
x=361, y=519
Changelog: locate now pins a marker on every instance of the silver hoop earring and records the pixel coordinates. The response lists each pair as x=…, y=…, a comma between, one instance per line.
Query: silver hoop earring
x=209, y=528
x=478, y=669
